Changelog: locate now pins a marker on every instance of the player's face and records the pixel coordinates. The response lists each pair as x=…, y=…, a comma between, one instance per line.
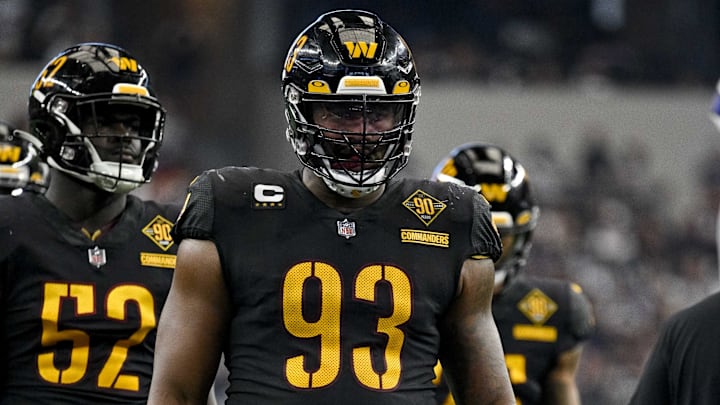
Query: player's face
x=355, y=118
x=115, y=136
x=355, y=132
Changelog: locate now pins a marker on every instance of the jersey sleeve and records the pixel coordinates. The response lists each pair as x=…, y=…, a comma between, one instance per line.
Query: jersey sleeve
x=582, y=319
x=198, y=213
x=485, y=238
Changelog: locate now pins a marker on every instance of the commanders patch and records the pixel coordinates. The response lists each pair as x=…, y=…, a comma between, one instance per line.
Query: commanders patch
x=537, y=306
x=424, y=206
x=158, y=231
x=268, y=196
x=439, y=239
x=157, y=260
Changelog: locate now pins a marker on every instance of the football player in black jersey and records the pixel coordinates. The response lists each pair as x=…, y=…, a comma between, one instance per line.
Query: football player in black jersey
x=20, y=165
x=542, y=321
x=334, y=283
x=85, y=268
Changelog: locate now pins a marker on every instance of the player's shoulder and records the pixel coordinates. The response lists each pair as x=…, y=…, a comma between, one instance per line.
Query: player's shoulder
x=455, y=202
x=444, y=188
x=167, y=210
x=552, y=284
x=229, y=173
x=14, y=208
x=567, y=295
x=557, y=289
x=233, y=187
x=239, y=176
x=450, y=194
x=7, y=200
x=696, y=313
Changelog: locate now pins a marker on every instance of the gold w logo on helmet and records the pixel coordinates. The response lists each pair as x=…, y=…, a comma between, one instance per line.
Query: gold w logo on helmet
x=361, y=49
x=10, y=153
x=124, y=63
x=494, y=192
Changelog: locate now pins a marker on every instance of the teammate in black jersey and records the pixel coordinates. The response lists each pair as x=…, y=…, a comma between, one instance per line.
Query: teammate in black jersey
x=85, y=268
x=20, y=165
x=542, y=321
x=334, y=284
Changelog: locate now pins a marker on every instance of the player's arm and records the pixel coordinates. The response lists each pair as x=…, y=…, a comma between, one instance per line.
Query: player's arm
x=192, y=327
x=560, y=386
x=470, y=350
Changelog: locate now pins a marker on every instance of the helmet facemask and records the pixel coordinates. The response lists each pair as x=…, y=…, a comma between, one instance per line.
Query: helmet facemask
x=96, y=150
x=354, y=143
x=352, y=63
x=516, y=239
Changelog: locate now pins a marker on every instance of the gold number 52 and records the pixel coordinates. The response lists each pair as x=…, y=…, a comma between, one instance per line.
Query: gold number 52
x=84, y=297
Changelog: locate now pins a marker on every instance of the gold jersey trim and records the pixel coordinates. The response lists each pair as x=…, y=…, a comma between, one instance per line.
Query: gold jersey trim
x=157, y=260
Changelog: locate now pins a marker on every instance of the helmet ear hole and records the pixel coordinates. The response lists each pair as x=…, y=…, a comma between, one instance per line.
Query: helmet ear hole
x=407, y=149
x=49, y=134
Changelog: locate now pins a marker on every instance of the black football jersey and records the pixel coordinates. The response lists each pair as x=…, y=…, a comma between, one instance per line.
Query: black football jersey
x=538, y=319
x=79, y=316
x=330, y=307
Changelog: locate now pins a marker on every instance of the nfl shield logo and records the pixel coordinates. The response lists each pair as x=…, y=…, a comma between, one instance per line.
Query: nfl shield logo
x=346, y=228
x=96, y=257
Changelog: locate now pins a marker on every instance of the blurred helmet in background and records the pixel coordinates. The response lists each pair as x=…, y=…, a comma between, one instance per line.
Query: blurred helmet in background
x=20, y=165
x=503, y=181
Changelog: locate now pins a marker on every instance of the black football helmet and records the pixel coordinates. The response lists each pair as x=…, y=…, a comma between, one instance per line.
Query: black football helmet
x=84, y=84
x=352, y=62
x=20, y=164
x=502, y=180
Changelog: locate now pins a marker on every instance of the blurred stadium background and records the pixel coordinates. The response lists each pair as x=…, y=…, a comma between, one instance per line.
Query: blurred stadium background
x=605, y=102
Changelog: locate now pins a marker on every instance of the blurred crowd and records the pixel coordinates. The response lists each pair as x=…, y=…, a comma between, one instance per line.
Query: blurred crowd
x=602, y=224
x=639, y=41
